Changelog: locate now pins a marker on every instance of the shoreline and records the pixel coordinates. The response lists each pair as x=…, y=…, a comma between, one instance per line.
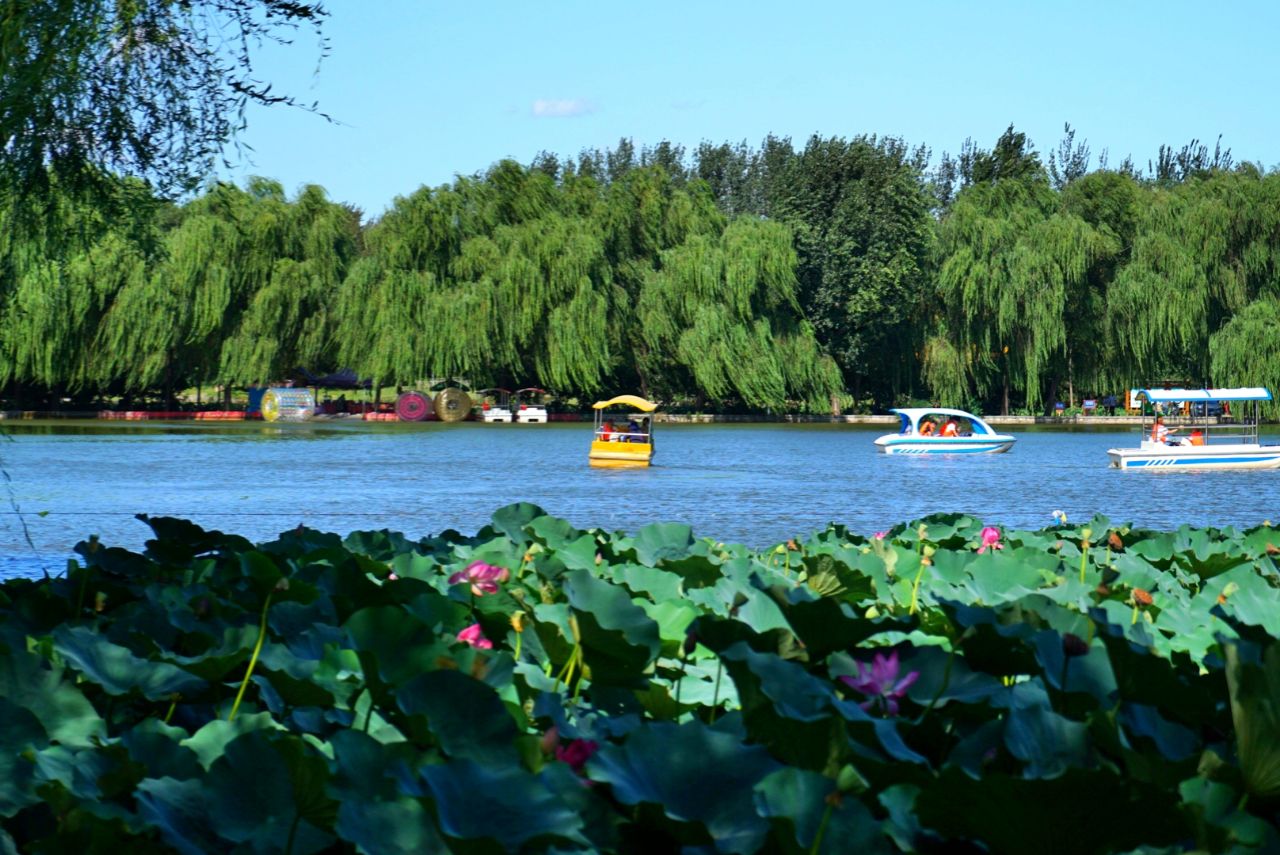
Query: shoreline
x=658, y=417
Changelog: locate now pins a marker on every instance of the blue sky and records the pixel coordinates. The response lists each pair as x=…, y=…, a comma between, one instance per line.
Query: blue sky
x=423, y=91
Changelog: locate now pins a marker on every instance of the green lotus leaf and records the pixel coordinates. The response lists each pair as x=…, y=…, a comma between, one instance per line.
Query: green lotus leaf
x=512, y=519
x=117, y=670
x=673, y=618
x=381, y=545
x=800, y=799
x=264, y=792
x=552, y=531
x=1090, y=674
x=619, y=640
x=415, y=566
x=401, y=644
x=467, y=717
x=660, y=541
x=658, y=585
x=158, y=747
x=1219, y=821
x=1253, y=683
x=210, y=741
x=945, y=678
x=27, y=681
x=178, y=541
x=696, y=775
x=1156, y=548
x=704, y=683
x=577, y=554
x=1175, y=687
x=1047, y=743
x=21, y=735
x=503, y=803
x=179, y=810
x=1082, y=811
x=791, y=711
x=826, y=625
x=398, y=826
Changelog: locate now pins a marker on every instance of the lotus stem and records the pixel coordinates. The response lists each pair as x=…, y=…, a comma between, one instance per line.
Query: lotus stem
x=1084, y=558
x=253, y=660
x=715, y=698
x=915, y=587
x=822, y=828
x=173, y=705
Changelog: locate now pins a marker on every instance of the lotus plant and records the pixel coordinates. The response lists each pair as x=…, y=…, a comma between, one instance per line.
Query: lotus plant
x=484, y=578
x=475, y=637
x=879, y=682
x=990, y=537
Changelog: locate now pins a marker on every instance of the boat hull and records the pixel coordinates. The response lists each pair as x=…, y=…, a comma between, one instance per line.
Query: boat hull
x=1181, y=457
x=898, y=444
x=620, y=453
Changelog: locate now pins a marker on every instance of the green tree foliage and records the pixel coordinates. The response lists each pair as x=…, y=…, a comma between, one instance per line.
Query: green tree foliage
x=1246, y=350
x=150, y=88
x=860, y=213
x=242, y=294
x=1014, y=263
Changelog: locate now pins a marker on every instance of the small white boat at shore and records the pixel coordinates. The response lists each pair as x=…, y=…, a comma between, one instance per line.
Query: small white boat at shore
x=1200, y=441
x=922, y=432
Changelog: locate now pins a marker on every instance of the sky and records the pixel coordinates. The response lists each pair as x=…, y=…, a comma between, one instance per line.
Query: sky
x=421, y=91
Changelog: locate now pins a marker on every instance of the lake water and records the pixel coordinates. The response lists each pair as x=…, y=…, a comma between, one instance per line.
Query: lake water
x=754, y=484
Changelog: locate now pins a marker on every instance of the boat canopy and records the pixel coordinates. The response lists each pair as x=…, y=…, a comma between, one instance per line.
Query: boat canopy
x=911, y=417
x=631, y=400
x=1254, y=393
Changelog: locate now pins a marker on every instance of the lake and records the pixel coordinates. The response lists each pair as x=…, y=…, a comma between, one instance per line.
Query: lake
x=757, y=483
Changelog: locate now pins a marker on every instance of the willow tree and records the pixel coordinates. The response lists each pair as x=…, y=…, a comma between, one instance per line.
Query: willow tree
x=241, y=295
x=60, y=267
x=1014, y=262
x=720, y=316
x=1245, y=351
x=132, y=87
x=1203, y=250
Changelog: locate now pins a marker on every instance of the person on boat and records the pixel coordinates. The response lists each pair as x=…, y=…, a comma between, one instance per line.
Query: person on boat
x=950, y=428
x=926, y=427
x=606, y=432
x=633, y=432
x=1197, y=437
x=1160, y=433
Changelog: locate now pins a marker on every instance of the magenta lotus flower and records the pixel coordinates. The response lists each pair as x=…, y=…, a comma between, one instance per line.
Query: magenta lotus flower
x=990, y=539
x=879, y=682
x=576, y=753
x=484, y=578
x=880, y=535
x=473, y=636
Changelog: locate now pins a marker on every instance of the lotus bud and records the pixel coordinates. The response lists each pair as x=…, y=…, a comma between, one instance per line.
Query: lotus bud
x=1114, y=541
x=793, y=546
x=1141, y=597
x=550, y=740
x=928, y=551
x=100, y=602
x=517, y=621
x=690, y=642
x=850, y=780
x=1074, y=645
x=282, y=585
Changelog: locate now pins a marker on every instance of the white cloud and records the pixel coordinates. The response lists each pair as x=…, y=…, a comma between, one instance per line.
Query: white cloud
x=560, y=108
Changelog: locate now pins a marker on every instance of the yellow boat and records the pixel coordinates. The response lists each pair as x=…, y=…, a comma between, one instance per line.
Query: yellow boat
x=623, y=443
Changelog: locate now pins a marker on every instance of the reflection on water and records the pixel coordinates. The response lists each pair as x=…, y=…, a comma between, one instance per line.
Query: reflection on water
x=757, y=484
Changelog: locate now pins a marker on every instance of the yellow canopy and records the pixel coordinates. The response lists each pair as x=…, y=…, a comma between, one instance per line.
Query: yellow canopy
x=639, y=403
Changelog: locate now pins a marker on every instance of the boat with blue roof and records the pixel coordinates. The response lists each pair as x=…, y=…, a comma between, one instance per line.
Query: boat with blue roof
x=1207, y=429
x=940, y=430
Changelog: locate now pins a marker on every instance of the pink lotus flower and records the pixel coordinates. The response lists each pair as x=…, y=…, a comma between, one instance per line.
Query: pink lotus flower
x=576, y=753
x=879, y=682
x=484, y=578
x=880, y=535
x=990, y=539
x=473, y=636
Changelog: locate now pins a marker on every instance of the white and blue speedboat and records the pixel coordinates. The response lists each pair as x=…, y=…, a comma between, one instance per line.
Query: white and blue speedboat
x=1195, y=439
x=921, y=432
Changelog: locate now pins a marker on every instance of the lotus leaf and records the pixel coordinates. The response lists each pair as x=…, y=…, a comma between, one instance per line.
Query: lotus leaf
x=528, y=807
x=696, y=775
